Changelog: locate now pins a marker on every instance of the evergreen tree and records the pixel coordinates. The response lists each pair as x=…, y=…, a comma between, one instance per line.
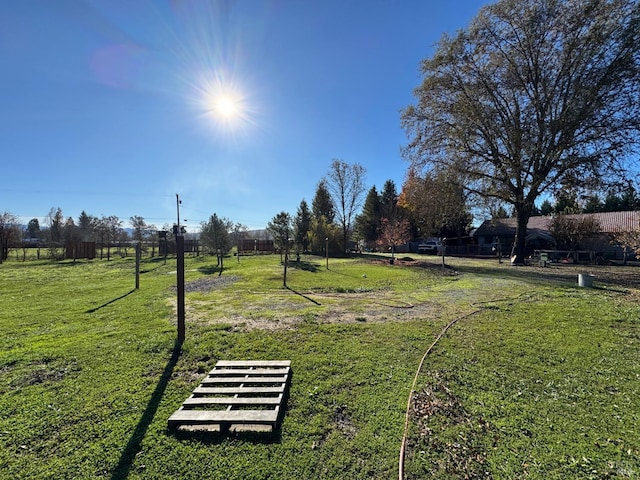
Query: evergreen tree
x=302, y=225
x=389, y=200
x=593, y=204
x=546, y=208
x=86, y=226
x=33, y=228
x=216, y=234
x=368, y=222
x=322, y=205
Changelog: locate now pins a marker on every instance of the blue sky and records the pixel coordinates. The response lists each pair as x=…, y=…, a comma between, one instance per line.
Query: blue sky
x=109, y=106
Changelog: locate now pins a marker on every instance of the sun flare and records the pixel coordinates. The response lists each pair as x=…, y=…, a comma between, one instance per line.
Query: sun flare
x=226, y=106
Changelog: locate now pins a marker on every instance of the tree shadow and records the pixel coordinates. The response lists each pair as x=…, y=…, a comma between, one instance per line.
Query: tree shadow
x=209, y=270
x=147, y=270
x=134, y=445
x=305, y=265
x=533, y=275
x=92, y=310
x=303, y=295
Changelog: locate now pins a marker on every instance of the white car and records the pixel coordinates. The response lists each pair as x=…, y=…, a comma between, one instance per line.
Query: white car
x=431, y=247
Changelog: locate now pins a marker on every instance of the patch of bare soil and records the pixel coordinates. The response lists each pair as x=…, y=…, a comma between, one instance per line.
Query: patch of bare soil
x=210, y=283
x=287, y=308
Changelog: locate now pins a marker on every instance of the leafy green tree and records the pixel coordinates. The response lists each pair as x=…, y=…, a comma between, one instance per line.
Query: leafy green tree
x=139, y=228
x=323, y=234
x=33, y=228
x=280, y=229
x=531, y=96
x=436, y=204
x=216, y=234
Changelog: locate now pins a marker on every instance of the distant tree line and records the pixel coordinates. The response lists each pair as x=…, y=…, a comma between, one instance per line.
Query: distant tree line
x=59, y=232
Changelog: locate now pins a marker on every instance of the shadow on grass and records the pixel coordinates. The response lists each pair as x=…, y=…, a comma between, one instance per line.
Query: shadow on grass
x=134, y=445
x=156, y=267
x=216, y=438
x=303, y=296
x=209, y=270
x=566, y=276
x=534, y=275
x=304, y=265
x=92, y=310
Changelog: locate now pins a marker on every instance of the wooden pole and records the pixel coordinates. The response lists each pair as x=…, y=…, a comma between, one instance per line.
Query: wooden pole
x=180, y=285
x=138, y=265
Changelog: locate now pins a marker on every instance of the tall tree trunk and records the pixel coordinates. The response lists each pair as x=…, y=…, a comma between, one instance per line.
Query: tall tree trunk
x=518, y=251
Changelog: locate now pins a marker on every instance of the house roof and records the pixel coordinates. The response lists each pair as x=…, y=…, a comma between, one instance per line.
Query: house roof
x=610, y=222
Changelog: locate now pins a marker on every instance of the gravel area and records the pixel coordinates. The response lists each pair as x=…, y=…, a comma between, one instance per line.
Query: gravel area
x=204, y=285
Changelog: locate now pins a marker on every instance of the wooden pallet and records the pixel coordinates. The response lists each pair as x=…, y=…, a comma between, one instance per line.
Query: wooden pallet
x=237, y=395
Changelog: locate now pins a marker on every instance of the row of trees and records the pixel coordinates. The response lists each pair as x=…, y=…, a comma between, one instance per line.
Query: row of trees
x=328, y=224
x=59, y=231
x=427, y=206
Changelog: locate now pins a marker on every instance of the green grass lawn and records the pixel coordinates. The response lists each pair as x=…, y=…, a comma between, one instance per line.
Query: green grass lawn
x=541, y=381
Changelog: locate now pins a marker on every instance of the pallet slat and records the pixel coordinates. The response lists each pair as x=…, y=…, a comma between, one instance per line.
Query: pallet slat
x=210, y=380
x=200, y=401
x=194, y=417
x=237, y=390
x=253, y=392
x=249, y=371
x=253, y=363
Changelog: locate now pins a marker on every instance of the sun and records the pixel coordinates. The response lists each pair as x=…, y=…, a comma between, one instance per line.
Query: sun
x=222, y=102
x=226, y=106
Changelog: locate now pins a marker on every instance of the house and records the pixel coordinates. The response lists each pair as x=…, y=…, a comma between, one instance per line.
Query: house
x=502, y=231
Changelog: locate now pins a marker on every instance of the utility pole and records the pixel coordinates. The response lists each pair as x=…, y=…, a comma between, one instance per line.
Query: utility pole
x=177, y=231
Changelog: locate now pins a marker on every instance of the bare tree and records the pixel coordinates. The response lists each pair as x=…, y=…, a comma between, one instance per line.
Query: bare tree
x=533, y=95
x=345, y=182
x=240, y=233
x=55, y=222
x=572, y=231
x=9, y=233
x=629, y=241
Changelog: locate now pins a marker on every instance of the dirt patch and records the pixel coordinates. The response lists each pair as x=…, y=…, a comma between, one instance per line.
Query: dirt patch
x=286, y=308
x=205, y=285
